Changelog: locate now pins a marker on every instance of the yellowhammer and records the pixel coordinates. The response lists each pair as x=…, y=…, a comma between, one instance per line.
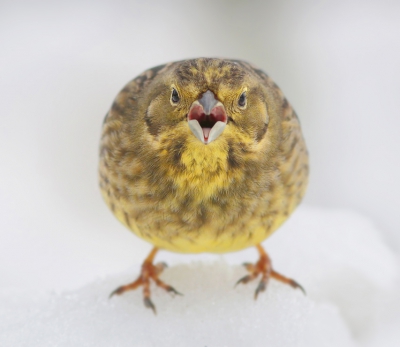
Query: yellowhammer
x=202, y=155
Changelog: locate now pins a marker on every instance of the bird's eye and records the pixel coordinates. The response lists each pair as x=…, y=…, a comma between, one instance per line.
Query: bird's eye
x=242, y=100
x=174, y=96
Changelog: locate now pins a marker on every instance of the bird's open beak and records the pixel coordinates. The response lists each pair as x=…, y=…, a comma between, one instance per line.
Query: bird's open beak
x=207, y=118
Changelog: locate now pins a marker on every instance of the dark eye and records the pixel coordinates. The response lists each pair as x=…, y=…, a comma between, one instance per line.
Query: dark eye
x=174, y=96
x=242, y=100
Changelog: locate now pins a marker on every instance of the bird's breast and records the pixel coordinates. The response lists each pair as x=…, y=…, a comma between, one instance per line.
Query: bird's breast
x=199, y=201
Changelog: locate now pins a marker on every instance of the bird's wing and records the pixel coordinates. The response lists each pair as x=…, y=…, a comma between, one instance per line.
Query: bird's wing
x=294, y=164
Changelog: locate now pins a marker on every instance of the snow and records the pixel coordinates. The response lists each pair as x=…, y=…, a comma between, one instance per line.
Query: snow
x=61, y=250
x=211, y=313
x=350, y=276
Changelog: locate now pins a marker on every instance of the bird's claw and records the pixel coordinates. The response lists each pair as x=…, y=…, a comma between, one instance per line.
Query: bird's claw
x=260, y=288
x=244, y=280
x=149, y=304
x=173, y=291
x=301, y=288
x=149, y=272
x=115, y=292
x=287, y=280
x=264, y=268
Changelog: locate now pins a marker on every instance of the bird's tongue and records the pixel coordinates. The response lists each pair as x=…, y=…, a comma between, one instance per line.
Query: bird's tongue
x=206, y=133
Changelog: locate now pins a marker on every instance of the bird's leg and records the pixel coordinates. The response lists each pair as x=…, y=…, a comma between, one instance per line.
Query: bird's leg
x=149, y=271
x=264, y=268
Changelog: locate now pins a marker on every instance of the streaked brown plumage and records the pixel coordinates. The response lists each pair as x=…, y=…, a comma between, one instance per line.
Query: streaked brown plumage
x=184, y=192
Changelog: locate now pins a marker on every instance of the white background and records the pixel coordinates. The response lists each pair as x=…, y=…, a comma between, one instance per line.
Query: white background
x=61, y=65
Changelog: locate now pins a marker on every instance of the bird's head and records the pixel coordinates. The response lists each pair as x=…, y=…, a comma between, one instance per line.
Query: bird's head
x=209, y=100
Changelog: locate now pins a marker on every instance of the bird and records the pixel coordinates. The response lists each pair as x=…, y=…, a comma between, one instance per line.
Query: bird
x=202, y=155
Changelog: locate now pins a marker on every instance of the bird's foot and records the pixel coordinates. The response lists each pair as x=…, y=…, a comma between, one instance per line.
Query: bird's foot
x=149, y=272
x=264, y=268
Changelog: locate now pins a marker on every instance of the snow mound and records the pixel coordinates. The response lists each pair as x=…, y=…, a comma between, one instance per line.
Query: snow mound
x=211, y=313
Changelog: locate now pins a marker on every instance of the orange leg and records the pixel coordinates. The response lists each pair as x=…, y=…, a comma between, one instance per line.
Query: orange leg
x=264, y=268
x=149, y=271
